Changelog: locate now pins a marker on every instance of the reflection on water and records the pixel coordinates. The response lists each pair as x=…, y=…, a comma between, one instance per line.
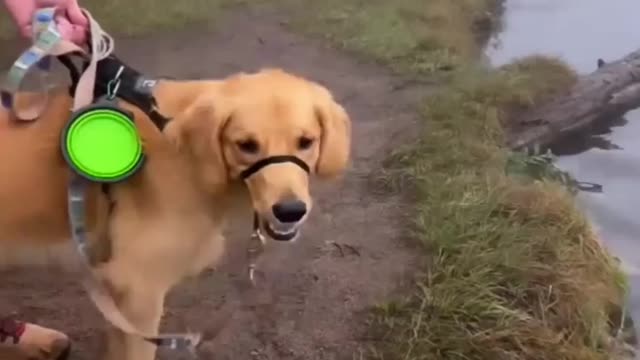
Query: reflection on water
x=581, y=32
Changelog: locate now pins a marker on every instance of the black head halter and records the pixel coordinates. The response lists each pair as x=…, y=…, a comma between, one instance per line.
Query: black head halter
x=258, y=165
x=278, y=159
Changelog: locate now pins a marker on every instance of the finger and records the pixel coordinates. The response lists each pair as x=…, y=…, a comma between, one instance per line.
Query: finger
x=48, y=3
x=71, y=32
x=70, y=8
x=64, y=26
x=75, y=15
x=78, y=35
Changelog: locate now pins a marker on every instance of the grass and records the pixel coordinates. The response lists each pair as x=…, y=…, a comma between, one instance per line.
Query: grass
x=547, y=77
x=517, y=272
x=124, y=17
x=423, y=37
x=513, y=269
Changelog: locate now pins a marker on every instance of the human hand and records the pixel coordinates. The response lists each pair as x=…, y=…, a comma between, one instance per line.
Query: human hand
x=70, y=20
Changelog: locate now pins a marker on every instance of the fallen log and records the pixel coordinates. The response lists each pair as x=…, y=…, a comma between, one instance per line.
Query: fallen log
x=609, y=92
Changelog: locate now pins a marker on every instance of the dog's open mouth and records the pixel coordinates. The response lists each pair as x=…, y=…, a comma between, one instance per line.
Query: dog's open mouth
x=280, y=232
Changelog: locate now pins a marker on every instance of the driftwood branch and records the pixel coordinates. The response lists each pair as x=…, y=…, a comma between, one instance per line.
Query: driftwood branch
x=612, y=90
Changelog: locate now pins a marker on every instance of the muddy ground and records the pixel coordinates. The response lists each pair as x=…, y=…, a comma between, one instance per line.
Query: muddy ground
x=312, y=302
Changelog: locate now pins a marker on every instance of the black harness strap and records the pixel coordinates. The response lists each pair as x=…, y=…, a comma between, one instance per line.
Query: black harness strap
x=73, y=71
x=134, y=88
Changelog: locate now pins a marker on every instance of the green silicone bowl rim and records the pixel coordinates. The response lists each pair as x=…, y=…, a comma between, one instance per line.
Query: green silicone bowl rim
x=98, y=113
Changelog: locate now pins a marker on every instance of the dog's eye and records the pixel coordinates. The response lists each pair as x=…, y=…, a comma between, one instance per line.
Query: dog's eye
x=304, y=143
x=248, y=146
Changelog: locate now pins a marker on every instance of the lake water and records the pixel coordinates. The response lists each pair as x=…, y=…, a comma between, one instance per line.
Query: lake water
x=580, y=32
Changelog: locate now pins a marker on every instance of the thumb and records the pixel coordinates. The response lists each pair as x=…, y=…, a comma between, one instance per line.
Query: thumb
x=64, y=26
x=71, y=32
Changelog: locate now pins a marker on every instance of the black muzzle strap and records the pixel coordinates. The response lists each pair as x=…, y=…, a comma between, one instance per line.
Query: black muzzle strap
x=279, y=159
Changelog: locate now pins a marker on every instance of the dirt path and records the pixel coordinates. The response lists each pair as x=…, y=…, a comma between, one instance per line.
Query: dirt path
x=313, y=298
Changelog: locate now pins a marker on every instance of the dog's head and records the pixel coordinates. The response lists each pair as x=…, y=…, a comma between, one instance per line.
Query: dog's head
x=267, y=130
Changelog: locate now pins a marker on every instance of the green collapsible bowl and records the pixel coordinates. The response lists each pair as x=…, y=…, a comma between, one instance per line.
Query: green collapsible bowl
x=101, y=143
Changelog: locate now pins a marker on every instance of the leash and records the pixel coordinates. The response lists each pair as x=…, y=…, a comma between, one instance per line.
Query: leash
x=137, y=90
x=97, y=291
x=48, y=43
x=257, y=242
x=255, y=249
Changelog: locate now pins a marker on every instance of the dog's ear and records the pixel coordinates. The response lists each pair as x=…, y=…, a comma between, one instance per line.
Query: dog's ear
x=335, y=142
x=197, y=131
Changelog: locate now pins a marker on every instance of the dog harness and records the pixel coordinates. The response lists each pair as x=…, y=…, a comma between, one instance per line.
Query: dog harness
x=95, y=129
x=100, y=143
x=137, y=89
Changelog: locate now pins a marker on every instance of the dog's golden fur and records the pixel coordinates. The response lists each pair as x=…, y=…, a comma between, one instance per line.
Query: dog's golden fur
x=168, y=219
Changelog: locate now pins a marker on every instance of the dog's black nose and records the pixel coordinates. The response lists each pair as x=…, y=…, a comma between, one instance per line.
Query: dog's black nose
x=289, y=211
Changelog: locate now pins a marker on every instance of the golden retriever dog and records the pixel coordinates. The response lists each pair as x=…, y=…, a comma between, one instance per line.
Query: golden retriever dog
x=167, y=220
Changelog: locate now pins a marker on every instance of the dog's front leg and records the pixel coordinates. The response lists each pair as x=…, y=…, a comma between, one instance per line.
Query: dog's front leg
x=143, y=306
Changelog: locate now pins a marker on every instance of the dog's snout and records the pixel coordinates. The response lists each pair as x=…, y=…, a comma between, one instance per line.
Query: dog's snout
x=289, y=211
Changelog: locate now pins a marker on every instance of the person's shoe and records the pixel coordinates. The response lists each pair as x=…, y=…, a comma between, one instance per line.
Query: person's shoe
x=33, y=341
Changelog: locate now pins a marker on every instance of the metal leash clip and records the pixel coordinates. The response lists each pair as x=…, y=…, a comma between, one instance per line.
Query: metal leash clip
x=114, y=84
x=256, y=246
x=189, y=342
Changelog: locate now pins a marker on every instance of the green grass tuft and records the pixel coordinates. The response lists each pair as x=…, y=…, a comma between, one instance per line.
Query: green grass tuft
x=125, y=17
x=423, y=37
